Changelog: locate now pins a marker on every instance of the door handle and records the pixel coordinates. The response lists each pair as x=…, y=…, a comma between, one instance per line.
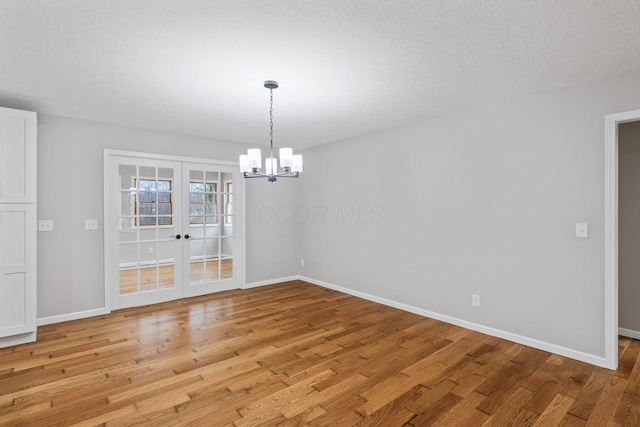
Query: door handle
x=177, y=236
x=186, y=236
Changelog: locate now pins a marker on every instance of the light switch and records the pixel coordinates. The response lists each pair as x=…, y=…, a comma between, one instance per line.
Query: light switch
x=90, y=224
x=582, y=229
x=45, y=225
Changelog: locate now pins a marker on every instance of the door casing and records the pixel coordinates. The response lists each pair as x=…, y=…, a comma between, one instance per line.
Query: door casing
x=611, y=234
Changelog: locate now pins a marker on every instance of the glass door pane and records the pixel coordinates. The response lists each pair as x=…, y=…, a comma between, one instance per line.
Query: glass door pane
x=210, y=223
x=169, y=228
x=148, y=252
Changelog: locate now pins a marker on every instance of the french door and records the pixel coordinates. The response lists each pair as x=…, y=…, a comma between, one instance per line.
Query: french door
x=171, y=228
x=209, y=221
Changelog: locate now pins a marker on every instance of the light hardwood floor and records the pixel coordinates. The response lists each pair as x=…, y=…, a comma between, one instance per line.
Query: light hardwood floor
x=297, y=354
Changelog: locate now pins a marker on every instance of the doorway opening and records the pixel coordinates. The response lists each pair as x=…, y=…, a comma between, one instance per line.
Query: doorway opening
x=628, y=230
x=611, y=239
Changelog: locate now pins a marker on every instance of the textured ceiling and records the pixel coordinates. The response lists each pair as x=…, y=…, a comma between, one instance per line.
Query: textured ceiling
x=346, y=67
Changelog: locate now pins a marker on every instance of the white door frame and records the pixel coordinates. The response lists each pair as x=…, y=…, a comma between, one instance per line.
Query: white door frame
x=239, y=202
x=611, y=233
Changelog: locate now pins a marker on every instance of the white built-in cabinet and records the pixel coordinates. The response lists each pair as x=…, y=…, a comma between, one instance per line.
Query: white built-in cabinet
x=18, y=154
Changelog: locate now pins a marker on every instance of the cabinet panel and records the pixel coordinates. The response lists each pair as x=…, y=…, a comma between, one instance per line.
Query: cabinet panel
x=13, y=305
x=17, y=269
x=14, y=239
x=18, y=142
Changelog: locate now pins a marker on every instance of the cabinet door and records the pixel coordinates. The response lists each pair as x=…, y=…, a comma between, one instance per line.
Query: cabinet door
x=17, y=269
x=18, y=145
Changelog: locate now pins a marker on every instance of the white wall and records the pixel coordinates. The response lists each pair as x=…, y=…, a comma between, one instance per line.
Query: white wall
x=70, y=259
x=484, y=202
x=629, y=226
x=276, y=254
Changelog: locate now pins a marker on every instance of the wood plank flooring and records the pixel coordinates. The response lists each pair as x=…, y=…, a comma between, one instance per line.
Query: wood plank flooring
x=297, y=354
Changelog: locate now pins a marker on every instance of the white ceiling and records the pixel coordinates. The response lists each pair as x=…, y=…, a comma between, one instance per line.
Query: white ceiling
x=346, y=67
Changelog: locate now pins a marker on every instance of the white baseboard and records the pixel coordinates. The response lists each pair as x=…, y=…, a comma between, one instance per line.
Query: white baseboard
x=541, y=345
x=270, y=282
x=629, y=333
x=72, y=316
x=17, y=339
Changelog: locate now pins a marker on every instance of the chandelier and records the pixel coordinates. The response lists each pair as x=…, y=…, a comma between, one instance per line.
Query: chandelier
x=250, y=163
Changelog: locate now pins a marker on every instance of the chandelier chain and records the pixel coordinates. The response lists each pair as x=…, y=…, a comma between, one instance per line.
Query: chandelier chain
x=271, y=119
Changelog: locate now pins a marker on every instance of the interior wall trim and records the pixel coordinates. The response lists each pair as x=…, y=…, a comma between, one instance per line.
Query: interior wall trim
x=629, y=333
x=270, y=282
x=541, y=345
x=72, y=316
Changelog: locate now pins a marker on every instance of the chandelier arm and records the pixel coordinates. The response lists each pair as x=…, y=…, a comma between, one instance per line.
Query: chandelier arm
x=286, y=174
x=277, y=175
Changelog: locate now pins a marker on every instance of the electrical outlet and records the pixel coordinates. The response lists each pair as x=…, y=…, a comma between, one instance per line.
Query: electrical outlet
x=582, y=229
x=475, y=300
x=45, y=225
x=301, y=262
x=150, y=249
x=90, y=224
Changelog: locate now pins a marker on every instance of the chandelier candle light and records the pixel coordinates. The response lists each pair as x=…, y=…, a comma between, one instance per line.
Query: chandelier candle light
x=251, y=162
